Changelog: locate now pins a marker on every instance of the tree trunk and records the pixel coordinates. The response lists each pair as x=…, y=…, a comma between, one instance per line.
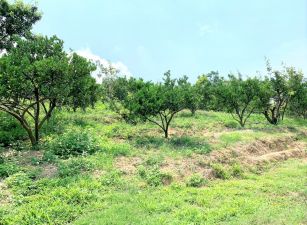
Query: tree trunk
x=241, y=122
x=36, y=119
x=30, y=134
x=166, y=133
x=272, y=120
x=193, y=112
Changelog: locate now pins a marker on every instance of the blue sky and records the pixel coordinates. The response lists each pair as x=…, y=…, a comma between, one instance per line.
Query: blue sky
x=192, y=37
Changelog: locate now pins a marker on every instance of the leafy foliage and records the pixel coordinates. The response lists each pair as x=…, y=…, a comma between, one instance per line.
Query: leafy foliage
x=240, y=97
x=73, y=144
x=35, y=78
x=196, y=180
x=10, y=130
x=136, y=100
x=16, y=20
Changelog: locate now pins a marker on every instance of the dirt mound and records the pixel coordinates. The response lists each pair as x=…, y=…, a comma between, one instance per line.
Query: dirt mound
x=254, y=150
x=128, y=165
x=254, y=154
x=277, y=156
x=186, y=167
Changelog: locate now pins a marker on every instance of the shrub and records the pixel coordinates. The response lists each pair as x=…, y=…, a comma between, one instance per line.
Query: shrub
x=220, y=171
x=10, y=130
x=74, y=167
x=8, y=169
x=237, y=170
x=73, y=144
x=196, y=180
x=49, y=156
x=153, y=176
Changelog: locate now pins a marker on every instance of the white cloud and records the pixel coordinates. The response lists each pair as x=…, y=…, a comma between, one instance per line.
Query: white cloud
x=206, y=29
x=121, y=67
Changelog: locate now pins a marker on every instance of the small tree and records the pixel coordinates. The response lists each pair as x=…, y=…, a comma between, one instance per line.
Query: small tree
x=158, y=103
x=16, y=20
x=137, y=100
x=277, y=92
x=240, y=97
x=34, y=79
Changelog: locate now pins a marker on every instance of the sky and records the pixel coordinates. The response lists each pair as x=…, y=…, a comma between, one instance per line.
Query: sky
x=145, y=38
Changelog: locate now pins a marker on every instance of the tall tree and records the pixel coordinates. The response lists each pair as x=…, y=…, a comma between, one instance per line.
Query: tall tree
x=16, y=20
x=34, y=80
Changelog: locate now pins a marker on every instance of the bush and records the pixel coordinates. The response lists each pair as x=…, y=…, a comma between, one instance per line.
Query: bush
x=49, y=156
x=153, y=176
x=220, y=171
x=74, y=167
x=73, y=144
x=237, y=170
x=8, y=169
x=10, y=130
x=196, y=180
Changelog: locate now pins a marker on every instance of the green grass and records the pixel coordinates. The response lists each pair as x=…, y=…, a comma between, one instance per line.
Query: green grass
x=91, y=189
x=277, y=197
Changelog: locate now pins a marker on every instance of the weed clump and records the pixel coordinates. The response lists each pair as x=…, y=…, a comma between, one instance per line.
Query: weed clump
x=8, y=169
x=196, y=180
x=111, y=179
x=237, y=170
x=74, y=167
x=220, y=171
x=153, y=176
x=73, y=144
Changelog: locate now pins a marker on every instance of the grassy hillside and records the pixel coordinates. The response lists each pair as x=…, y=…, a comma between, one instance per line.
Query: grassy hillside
x=210, y=171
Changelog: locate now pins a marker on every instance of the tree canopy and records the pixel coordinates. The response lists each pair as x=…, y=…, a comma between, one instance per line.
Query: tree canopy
x=36, y=76
x=16, y=21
